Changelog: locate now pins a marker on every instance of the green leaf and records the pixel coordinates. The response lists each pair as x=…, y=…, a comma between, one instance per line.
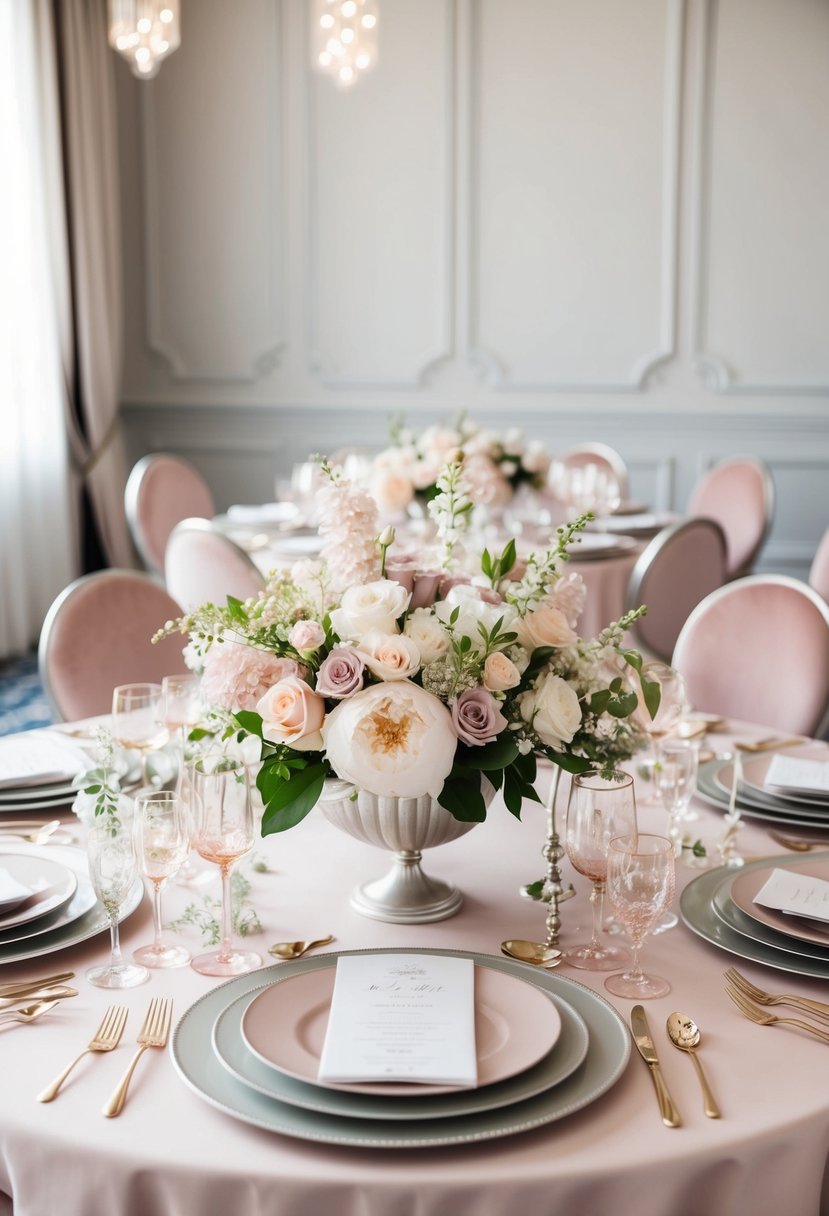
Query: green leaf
x=651, y=695
x=633, y=659
x=249, y=721
x=599, y=701
x=486, y=563
x=513, y=793
x=623, y=706
x=507, y=557
x=92, y=789
x=294, y=800
x=236, y=609
x=491, y=756
x=534, y=890
x=197, y=733
x=568, y=762
x=462, y=798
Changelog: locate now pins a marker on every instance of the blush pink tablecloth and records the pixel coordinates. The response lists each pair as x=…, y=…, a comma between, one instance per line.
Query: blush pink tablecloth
x=170, y=1152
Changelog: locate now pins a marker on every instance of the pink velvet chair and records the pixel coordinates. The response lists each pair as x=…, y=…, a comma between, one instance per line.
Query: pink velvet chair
x=678, y=568
x=758, y=649
x=600, y=454
x=819, y=570
x=161, y=491
x=98, y=633
x=739, y=494
x=201, y=565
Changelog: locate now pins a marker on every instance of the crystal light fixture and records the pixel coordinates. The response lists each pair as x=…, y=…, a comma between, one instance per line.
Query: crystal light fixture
x=144, y=32
x=344, y=38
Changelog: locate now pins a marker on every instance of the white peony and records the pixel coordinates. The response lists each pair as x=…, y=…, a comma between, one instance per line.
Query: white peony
x=391, y=739
x=553, y=711
x=471, y=610
x=369, y=607
x=426, y=631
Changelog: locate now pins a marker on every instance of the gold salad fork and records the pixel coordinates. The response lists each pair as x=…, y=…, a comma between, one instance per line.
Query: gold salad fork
x=817, y=1009
x=153, y=1033
x=105, y=1038
x=755, y=1014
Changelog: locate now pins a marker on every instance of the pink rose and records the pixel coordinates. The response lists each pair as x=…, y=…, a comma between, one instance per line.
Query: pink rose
x=569, y=595
x=236, y=676
x=390, y=656
x=500, y=673
x=307, y=635
x=545, y=626
x=476, y=717
x=292, y=713
x=341, y=674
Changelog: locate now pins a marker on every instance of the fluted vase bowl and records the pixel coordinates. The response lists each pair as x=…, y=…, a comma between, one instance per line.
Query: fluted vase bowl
x=405, y=826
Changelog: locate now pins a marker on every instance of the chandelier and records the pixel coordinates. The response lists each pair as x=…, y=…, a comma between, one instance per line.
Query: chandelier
x=344, y=38
x=144, y=32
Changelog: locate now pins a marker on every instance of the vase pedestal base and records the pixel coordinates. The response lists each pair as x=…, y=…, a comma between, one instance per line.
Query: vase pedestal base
x=406, y=896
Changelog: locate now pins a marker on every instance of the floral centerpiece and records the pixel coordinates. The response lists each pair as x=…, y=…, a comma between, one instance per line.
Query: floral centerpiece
x=418, y=678
x=494, y=464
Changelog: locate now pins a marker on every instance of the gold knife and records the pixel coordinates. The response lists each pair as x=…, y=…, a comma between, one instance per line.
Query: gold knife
x=642, y=1038
x=46, y=981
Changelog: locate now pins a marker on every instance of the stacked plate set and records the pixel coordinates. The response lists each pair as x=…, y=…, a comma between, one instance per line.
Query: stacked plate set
x=760, y=797
x=36, y=771
x=546, y=1046
x=50, y=903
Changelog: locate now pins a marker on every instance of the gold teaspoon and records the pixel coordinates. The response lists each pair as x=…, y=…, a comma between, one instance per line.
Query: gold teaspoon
x=535, y=953
x=684, y=1034
x=291, y=950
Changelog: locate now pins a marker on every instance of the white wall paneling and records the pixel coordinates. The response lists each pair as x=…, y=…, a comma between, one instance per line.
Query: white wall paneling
x=213, y=189
x=763, y=181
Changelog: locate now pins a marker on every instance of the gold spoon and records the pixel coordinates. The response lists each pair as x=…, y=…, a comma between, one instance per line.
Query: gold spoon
x=684, y=1034
x=290, y=950
x=39, y=836
x=531, y=952
x=796, y=844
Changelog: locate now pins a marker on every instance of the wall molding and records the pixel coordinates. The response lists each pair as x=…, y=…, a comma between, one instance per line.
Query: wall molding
x=264, y=358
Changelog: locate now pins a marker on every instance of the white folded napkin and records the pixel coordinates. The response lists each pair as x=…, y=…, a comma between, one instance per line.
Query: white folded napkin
x=11, y=890
x=787, y=774
x=39, y=756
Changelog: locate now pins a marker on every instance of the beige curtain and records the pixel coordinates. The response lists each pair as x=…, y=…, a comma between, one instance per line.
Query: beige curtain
x=92, y=352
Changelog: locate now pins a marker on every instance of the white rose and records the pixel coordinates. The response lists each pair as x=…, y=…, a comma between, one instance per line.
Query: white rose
x=390, y=656
x=472, y=610
x=391, y=739
x=369, y=607
x=552, y=709
x=426, y=631
x=536, y=460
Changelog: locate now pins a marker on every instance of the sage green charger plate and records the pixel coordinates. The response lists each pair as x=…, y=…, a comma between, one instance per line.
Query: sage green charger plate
x=607, y=1056
x=755, y=806
x=565, y=1056
x=696, y=908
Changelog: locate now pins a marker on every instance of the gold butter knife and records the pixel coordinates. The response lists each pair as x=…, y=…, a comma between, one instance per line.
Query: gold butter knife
x=46, y=981
x=644, y=1043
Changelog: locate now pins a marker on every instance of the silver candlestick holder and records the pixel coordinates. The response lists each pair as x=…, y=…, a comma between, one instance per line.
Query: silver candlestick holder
x=553, y=891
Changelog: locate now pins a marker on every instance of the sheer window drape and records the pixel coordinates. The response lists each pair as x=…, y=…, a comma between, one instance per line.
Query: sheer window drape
x=37, y=542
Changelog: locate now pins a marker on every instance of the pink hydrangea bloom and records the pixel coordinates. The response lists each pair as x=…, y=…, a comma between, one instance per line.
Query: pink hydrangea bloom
x=237, y=677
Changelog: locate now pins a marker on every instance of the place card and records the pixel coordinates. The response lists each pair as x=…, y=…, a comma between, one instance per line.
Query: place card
x=401, y=1017
x=796, y=894
x=787, y=773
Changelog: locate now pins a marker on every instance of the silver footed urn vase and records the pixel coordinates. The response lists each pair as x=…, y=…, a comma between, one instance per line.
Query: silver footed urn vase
x=405, y=826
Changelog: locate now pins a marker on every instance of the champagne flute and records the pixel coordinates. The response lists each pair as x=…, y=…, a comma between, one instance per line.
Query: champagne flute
x=640, y=886
x=162, y=842
x=673, y=703
x=180, y=706
x=137, y=721
x=675, y=777
x=600, y=807
x=222, y=812
x=113, y=870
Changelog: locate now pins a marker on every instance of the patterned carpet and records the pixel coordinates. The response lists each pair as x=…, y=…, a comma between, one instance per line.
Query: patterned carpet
x=23, y=704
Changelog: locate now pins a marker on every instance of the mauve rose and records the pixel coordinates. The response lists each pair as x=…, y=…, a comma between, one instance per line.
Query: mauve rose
x=341, y=674
x=426, y=586
x=453, y=580
x=402, y=571
x=307, y=635
x=476, y=717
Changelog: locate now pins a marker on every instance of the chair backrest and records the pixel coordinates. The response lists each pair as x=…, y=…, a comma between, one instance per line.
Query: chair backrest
x=600, y=454
x=758, y=649
x=678, y=568
x=819, y=570
x=739, y=494
x=98, y=633
x=201, y=565
x=161, y=491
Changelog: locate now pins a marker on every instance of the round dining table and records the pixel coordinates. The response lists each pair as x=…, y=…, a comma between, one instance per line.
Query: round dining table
x=170, y=1151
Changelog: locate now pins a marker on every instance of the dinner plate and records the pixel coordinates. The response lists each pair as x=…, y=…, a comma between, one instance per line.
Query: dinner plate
x=297, y=546
x=284, y=1027
x=53, y=884
x=631, y=506
x=697, y=912
x=751, y=805
x=755, y=769
x=32, y=793
x=79, y=930
x=51, y=803
x=555, y=1066
x=607, y=1057
x=745, y=886
x=81, y=902
x=641, y=524
x=736, y=919
x=593, y=546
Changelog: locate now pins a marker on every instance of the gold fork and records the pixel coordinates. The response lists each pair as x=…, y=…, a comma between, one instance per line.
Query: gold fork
x=817, y=1009
x=153, y=1033
x=29, y=1014
x=770, y=1019
x=106, y=1038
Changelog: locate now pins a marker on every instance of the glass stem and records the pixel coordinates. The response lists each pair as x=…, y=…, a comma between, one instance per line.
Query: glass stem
x=226, y=949
x=635, y=969
x=157, y=887
x=597, y=901
x=115, y=943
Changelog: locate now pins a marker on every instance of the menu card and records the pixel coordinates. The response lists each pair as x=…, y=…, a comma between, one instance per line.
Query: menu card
x=786, y=773
x=797, y=894
x=402, y=1017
